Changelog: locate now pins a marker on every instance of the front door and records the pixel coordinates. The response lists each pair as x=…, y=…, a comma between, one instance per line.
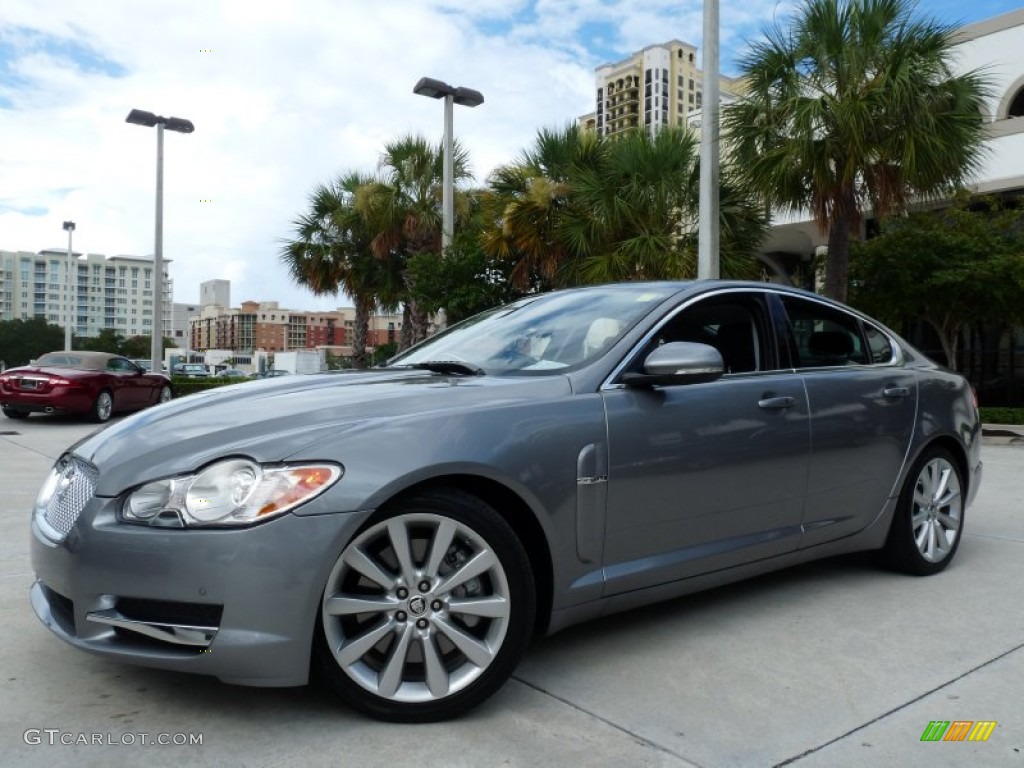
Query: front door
x=706, y=476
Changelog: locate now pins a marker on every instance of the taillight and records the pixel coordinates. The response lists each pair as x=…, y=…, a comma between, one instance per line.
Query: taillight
x=58, y=381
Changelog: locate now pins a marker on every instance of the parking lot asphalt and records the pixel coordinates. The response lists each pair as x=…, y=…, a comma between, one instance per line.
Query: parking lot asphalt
x=835, y=663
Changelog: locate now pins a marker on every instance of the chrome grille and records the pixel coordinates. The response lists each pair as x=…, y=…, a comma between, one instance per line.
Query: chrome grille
x=76, y=482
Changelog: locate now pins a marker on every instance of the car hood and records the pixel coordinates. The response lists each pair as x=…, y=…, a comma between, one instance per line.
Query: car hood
x=272, y=419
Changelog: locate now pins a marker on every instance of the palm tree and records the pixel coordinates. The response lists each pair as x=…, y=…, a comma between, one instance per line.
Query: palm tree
x=855, y=107
x=581, y=209
x=527, y=202
x=331, y=250
x=403, y=211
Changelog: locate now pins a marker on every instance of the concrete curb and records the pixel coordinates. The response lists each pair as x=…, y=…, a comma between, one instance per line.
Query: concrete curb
x=1002, y=434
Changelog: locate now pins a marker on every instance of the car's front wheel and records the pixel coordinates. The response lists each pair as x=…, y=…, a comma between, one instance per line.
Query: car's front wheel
x=427, y=610
x=165, y=395
x=928, y=522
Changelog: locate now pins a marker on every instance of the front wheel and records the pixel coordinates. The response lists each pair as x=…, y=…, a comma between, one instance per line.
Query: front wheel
x=165, y=395
x=427, y=611
x=928, y=522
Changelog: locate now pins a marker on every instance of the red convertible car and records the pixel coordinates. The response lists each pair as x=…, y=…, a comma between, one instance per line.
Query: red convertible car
x=96, y=384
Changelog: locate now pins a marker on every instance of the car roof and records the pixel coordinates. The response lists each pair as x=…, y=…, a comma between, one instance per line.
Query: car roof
x=93, y=361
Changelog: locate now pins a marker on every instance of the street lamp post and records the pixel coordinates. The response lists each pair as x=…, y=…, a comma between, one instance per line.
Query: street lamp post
x=708, y=265
x=180, y=125
x=466, y=97
x=69, y=227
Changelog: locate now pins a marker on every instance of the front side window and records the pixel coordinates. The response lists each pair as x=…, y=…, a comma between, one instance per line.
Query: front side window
x=736, y=324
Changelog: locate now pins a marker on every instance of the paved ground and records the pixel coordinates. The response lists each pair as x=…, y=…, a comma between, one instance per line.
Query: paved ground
x=831, y=664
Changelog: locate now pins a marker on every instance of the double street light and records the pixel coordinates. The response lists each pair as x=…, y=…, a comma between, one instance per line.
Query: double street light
x=179, y=125
x=70, y=283
x=466, y=97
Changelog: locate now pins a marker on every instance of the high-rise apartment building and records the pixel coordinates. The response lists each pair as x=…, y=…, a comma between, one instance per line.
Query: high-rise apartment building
x=657, y=86
x=215, y=292
x=108, y=292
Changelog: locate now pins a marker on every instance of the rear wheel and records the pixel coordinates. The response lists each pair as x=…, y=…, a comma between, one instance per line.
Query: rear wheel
x=103, y=407
x=165, y=394
x=929, y=519
x=14, y=413
x=427, y=611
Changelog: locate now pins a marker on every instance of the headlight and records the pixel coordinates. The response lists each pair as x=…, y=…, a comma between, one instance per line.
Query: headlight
x=230, y=492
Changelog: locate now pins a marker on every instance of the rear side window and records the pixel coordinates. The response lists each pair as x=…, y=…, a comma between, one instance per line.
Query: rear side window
x=879, y=346
x=820, y=336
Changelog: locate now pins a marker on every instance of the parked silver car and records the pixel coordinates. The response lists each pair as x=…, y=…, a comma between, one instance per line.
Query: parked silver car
x=409, y=529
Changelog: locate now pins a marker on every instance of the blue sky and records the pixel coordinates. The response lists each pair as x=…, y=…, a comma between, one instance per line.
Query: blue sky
x=287, y=95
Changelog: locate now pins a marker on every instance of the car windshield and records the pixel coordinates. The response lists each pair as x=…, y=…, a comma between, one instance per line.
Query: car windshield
x=540, y=334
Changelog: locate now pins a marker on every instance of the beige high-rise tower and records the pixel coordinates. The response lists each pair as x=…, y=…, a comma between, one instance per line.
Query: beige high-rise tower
x=657, y=86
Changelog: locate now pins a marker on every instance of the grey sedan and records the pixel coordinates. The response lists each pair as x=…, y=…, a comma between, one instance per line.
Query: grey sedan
x=402, y=533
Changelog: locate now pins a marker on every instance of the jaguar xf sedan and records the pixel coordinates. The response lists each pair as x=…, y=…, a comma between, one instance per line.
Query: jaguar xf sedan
x=93, y=384
x=402, y=533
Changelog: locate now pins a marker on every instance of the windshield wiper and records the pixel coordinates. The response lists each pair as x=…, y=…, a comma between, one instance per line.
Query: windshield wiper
x=448, y=366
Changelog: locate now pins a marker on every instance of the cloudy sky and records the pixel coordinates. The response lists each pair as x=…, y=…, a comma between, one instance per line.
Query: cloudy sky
x=285, y=95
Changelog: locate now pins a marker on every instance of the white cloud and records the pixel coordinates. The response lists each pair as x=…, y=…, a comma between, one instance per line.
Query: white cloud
x=289, y=95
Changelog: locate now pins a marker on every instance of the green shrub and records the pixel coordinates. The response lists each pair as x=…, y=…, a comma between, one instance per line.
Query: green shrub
x=1002, y=415
x=183, y=385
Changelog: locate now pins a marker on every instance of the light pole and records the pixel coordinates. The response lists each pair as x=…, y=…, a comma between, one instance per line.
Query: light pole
x=466, y=97
x=180, y=125
x=69, y=227
x=708, y=223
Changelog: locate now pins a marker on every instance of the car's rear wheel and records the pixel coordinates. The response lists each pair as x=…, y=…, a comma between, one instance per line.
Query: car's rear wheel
x=165, y=394
x=929, y=518
x=14, y=413
x=102, y=407
x=427, y=610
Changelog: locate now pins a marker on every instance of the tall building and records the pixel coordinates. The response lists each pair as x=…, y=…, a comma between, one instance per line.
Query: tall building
x=215, y=292
x=109, y=292
x=657, y=86
x=266, y=326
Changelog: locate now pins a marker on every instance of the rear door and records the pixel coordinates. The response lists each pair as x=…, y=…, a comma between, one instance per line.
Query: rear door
x=863, y=406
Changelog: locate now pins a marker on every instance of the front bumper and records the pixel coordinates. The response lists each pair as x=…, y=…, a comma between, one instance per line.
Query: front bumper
x=240, y=604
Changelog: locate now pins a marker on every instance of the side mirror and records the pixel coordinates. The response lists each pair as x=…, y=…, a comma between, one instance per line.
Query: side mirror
x=678, y=362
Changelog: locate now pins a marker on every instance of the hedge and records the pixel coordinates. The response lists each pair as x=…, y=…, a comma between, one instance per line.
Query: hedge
x=1002, y=415
x=183, y=385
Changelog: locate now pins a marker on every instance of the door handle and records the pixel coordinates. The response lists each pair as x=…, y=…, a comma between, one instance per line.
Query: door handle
x=896, y=391
x=774, y=403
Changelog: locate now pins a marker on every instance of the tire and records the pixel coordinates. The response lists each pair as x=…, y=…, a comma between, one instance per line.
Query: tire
x=928, y=523
x=14, y=413
x=165, y=394
x=103, y=407
x=475, y=604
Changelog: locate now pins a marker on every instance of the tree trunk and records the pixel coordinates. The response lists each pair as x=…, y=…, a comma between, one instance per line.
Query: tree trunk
x=837, y=263
x=948, y=337
x=405, y=337
x=419, y=323
x=364, y=307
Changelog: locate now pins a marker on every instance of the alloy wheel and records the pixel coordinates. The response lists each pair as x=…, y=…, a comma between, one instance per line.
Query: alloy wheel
x=416, y=608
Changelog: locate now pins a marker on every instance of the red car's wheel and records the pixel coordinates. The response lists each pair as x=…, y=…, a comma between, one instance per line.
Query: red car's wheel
x=103, y=407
